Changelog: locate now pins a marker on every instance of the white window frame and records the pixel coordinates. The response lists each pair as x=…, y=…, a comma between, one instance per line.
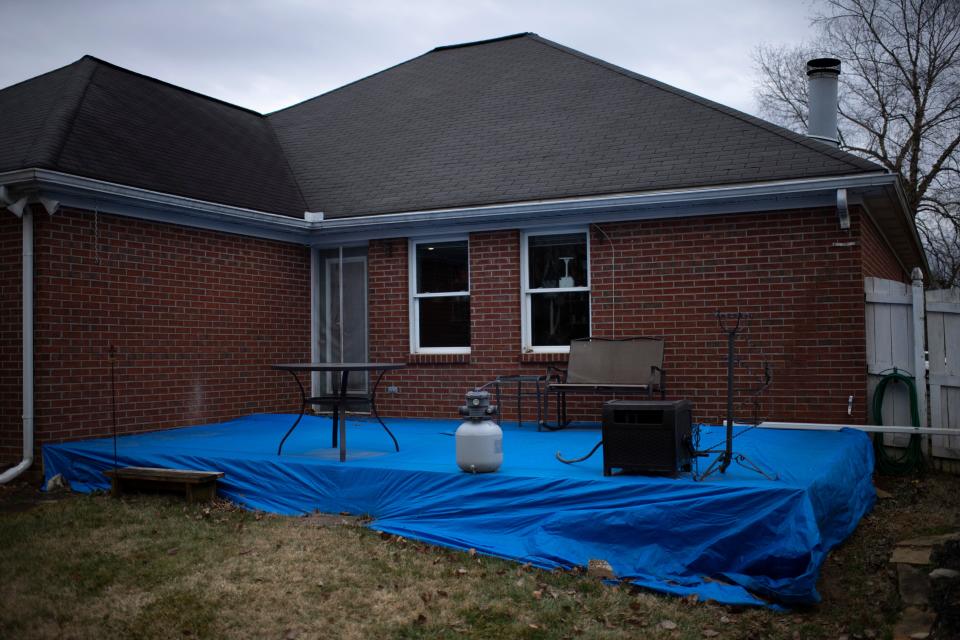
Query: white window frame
x=414, y=297
x=526, y=292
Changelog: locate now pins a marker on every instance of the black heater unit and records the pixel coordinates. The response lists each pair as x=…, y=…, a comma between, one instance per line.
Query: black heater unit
x=648, y=437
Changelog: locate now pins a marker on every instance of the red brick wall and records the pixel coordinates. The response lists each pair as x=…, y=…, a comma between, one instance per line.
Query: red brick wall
x=11, y=345
x=805, y=292
x=433, y=385
x=195, y=316
x=879, y=260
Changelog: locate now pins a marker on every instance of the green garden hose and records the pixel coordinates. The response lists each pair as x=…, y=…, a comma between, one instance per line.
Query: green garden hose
x=911, y=459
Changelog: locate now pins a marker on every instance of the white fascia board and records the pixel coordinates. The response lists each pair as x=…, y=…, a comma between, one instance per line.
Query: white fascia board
x=743, y=198
x=88, y=193
x=108, y=197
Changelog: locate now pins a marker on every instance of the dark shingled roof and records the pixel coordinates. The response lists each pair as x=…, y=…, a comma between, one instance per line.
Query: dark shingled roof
x=513, y=119
x=522, y=118
x=96, y=120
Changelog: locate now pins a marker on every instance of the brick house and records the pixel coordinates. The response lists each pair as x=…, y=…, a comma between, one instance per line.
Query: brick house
x=468, y=212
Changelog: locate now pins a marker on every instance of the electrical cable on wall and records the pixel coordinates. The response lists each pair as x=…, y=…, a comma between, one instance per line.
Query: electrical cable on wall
x=613, y=281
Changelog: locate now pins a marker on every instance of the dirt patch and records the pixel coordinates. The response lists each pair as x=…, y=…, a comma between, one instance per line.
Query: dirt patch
x=21, y=496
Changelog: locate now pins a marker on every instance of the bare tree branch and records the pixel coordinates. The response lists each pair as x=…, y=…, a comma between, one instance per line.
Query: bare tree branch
x=899, y=102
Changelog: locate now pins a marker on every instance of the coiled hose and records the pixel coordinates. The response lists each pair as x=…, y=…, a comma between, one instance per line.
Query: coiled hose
x=911, y=460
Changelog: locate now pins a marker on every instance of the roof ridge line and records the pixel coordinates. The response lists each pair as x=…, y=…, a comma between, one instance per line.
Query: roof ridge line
x=487, y=41
x=73, y=116
x=40, y=75
x=117, y=67
x=286, y=161
x=37, y=153
x=770, y=127
x=344, y=86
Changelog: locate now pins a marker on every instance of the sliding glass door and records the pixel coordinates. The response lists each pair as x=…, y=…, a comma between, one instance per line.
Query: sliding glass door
x=343, y=312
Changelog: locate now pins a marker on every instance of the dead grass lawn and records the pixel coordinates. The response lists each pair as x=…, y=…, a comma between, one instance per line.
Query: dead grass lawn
x=151, y=567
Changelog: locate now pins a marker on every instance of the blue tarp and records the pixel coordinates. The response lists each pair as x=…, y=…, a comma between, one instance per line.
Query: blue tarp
x=736, y=538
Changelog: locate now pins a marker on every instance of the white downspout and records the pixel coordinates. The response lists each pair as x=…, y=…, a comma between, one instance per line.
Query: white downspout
x=13, y=472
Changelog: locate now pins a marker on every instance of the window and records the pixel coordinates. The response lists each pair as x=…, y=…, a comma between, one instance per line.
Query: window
x=439, y=296
x=556, y=289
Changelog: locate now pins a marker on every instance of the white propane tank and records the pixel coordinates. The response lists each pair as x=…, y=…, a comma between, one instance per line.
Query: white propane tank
x=479, y=439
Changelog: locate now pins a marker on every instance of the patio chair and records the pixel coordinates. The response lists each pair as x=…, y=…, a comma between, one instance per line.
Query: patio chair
x=605, y=366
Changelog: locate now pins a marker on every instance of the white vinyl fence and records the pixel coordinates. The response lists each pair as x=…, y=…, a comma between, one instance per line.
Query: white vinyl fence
x=916, y=331
x=943, y=344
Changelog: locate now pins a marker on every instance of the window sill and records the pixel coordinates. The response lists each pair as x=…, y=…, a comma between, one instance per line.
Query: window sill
x=438, y=358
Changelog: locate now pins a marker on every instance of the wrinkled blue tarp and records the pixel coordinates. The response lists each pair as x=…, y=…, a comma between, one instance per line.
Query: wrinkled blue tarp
x=736, y=538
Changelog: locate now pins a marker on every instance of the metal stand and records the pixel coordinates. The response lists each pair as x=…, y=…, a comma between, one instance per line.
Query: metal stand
x=730, y=323
x=739, y=458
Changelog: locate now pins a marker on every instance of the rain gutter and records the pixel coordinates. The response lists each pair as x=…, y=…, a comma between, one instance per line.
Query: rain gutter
x=763, y=196
x=88, y=193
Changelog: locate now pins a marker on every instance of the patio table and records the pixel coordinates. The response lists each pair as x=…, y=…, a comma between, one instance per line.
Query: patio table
x=339, y=400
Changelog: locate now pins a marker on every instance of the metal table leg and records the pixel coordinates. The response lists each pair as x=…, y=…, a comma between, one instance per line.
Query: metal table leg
x=539, y=407
x=334, y=425
x=519, y=403
x=341, y=404
x=303, y=408
x=544, y=408
x=339, y=418
x=373, y=409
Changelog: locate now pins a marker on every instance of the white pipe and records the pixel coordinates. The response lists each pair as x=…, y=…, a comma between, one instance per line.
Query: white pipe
x=14, y=472
x=869, y=428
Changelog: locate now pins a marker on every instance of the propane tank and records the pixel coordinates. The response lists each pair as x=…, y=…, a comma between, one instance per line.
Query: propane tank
x=479, y=439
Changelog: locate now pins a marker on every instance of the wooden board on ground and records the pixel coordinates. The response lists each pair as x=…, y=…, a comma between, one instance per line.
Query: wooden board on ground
x=198, y=486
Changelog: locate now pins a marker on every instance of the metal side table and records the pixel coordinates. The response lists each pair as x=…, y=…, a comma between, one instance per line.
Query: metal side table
x=538, y=392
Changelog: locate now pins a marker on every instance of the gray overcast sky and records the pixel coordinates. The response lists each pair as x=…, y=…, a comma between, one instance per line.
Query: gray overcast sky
x=269, y=54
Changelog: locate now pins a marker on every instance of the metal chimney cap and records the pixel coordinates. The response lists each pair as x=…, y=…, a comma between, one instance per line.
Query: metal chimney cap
x=823, y=65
